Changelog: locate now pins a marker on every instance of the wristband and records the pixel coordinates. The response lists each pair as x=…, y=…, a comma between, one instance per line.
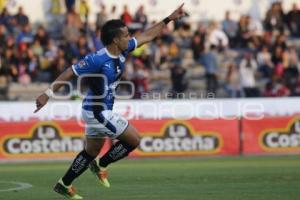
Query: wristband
x=166, y=20
x=49, y=92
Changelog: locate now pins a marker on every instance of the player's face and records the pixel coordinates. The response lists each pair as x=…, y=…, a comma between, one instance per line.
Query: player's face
x=122, y=41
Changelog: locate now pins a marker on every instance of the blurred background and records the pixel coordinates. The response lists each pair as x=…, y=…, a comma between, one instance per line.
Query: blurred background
x=222, y=83
x=242, y=49
x=234, y=66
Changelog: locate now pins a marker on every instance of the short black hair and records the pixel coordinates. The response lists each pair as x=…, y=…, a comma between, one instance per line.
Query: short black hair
x=110, y=30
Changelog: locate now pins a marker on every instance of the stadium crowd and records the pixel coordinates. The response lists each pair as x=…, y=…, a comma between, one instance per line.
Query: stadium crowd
x=244, y=58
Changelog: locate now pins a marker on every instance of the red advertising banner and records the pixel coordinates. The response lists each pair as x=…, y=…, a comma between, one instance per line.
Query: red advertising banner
x=189, y=137
x=271, y=135
x=63, y=139
x=41, y=140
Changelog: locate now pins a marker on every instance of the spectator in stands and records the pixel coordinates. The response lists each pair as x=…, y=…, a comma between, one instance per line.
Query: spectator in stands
x=5, y=77
x=198, y=41
x=71, y=31
x=183, y=36
x=197, y=47
x=140, y=17
x=113, y=13
x=178, y=79
x=256, y=31
x=33, y=66
x=174, y=51
x=101, y=17
x=42, y=36
x=293, y=57
x=77, y=19
x=166, y=35
x=293, y=21
x=25, y=36
x=269, y=90
x=233, y=86
x=211, y=65
x=3, y=35
x=21, y=18
x=126, y=16
x=59, y=65
x=244, y=35
x=81, y=48
x=265, y=64
x=217, y=37
x=280, y=41
x=70, y=4
x=46, y=70
x=276, y=89
x=291, y=72
x=7, y=20
x=248, y=67
x=140, y=78
x=160, y=51
x=10, y=43
x=230, y=27
x=280, y=60
x=97, y=43
x=23, y=74
x=296, y=90
x=9, y=65
x=56, y=8
x=282, y=89
x=3, y=4
x=274, y=20
x=84, y=12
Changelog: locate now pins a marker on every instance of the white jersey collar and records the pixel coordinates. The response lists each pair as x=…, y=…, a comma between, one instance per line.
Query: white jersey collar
x=109, y=54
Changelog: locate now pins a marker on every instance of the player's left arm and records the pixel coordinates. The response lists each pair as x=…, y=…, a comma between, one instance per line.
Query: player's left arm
x=149, y=34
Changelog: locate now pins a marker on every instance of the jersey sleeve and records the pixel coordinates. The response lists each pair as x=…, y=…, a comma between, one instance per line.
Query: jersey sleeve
x=132, y=45
x=89, y=65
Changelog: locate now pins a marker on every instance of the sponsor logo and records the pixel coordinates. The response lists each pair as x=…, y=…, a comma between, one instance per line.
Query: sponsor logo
x=82, y=64
x=44, y=138
x=282, y=139
x=179, y=137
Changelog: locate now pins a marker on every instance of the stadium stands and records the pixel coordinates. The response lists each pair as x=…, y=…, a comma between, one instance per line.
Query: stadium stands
x=245, y=58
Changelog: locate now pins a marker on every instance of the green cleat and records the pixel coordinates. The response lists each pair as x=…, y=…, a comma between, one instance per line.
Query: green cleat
x=68, y=192
x=100, y=173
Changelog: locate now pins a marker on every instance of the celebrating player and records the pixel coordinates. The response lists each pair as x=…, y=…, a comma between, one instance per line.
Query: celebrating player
x=103, y=69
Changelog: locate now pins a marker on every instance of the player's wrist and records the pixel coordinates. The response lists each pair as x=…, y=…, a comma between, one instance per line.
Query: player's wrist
x=166, y=20
x=49, y=92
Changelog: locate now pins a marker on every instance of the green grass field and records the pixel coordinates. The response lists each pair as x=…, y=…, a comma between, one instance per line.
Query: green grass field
x=255, y=178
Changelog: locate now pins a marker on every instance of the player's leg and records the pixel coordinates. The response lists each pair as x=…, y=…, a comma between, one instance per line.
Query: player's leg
x=78, y=166
x=116, y=127
x=128, y=141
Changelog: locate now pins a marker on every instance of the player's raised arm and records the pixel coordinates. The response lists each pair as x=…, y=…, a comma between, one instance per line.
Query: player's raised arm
x=43, y=98
x=153, y=31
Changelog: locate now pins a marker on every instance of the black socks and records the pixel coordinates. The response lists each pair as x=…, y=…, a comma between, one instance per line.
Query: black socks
x=115, y=153
x=83, y=159
x=79, y=165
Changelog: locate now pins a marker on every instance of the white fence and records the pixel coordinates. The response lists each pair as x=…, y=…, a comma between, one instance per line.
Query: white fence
x=158, y=109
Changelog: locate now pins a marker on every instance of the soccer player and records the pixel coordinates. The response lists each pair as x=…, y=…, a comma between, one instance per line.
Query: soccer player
x=103, y=69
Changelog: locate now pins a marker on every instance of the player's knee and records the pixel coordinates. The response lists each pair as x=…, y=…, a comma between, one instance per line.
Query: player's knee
x=136, y=142
x=133, y=144
x=92, y=151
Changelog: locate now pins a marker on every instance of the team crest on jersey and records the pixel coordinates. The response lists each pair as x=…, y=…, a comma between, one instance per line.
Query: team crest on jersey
x=81, y=64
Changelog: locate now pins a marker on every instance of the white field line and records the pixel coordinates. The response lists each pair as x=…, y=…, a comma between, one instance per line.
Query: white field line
x=19, y=186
